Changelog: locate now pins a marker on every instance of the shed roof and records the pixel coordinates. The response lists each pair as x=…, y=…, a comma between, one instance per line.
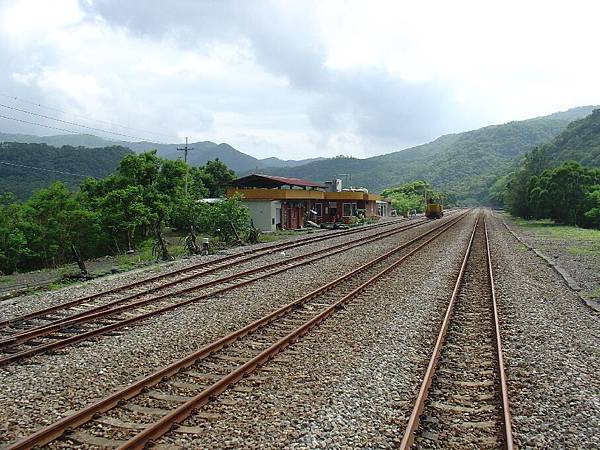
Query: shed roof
x=271, y=181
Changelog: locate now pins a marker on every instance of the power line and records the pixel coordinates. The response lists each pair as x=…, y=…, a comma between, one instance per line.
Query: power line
x=38, y=124
x=80, y=175
x=71, y=123
x=39, y=105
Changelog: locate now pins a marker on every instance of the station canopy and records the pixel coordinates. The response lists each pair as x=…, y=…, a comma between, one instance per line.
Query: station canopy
x=257, y=180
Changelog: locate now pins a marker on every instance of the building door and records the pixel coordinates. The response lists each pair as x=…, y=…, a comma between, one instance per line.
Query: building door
x=285, y=217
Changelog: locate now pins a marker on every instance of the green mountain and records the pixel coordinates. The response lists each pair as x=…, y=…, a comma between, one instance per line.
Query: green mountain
x=465, y=164
x=558, y=179
x=27, y=167
x=580, y=142
x=201, y=153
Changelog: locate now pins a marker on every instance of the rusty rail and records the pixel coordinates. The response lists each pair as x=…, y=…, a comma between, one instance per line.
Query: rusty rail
x=96, y=311
x=55, y=430
x=59, y=343
x=241, y=257
x=414, y=420
x=507, y=429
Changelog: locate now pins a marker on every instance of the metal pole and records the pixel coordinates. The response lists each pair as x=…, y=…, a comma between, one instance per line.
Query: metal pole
x=185, y=160
x=185, y=153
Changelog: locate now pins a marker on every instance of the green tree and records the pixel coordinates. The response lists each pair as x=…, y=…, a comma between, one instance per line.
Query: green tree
x=54, y=220
x=412, y=196
x=144, y=194
x=124, y=211
x=13, y=242
x=592, y=214
x=215, y=177
x=560, y=193
x=229, y=217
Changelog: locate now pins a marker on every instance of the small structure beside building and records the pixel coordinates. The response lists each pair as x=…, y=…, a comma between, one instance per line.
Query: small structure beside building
x=286, y=203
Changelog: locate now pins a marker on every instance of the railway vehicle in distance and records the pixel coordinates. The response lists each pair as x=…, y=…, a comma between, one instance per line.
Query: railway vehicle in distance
x=434, y=209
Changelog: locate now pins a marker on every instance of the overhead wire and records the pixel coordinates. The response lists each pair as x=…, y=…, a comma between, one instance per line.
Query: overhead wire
x=71, y=123
x=38, y=124
x=80, y=116
x=79, y=175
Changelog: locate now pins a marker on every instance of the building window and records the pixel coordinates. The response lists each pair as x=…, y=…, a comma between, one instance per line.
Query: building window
x=347, y=209
x=319, y=209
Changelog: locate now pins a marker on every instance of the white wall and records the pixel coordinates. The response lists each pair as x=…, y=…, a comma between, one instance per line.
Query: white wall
x=263, y=213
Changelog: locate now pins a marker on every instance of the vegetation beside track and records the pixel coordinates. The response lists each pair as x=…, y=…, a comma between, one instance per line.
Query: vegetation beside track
x=576, y=249
x=57, y=277
x=581, y=240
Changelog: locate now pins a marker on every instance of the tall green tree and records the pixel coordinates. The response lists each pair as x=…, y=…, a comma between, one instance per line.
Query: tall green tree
x=123, y=212
x=55, y=220
x=592, y=214
x=216, y=176
x=13, y=242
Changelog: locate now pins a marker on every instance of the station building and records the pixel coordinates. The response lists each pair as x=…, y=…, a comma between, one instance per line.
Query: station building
x=287, y=203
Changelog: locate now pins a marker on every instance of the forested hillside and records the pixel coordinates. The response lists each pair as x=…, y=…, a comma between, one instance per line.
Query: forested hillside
x=559, y=179
x=464, y=164
x=202, y=151
x=25, y=168
x=580, y=142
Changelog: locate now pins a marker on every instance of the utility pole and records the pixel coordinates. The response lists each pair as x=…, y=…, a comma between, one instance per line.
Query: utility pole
x=185, y=152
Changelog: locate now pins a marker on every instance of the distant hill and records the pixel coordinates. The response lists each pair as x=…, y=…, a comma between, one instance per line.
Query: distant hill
x=44, y=160
x=465, y=164
x=276, y=162
x=203, y=151
x=73, y=140
x=580, y=142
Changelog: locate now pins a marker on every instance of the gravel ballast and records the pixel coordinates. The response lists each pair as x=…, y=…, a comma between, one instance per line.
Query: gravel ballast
x=44, y=388
x=551, y=345
x=351, y=381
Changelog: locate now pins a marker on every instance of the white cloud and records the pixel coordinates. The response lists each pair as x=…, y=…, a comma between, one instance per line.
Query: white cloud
x=301, y=78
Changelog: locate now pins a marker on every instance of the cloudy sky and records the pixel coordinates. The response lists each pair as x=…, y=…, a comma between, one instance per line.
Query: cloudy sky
x=293, y=79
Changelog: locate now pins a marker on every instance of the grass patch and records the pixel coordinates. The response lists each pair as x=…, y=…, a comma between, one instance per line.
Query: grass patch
x=7, y=279
x=595, y=294
x=592, y=249
x=143, y=255
x=553, y=230
x=280, y=234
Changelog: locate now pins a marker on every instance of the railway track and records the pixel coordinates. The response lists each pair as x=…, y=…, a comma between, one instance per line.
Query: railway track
x=175, y=276
x=145, y=410
x=54, y=328
x=463, y=401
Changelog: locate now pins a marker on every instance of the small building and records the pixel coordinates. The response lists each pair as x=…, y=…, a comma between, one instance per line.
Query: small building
x=287, y=203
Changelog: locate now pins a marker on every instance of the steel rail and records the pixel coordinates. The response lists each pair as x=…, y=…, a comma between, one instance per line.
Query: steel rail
x=165, y=424
x=62, y=323
x=57, y=429
x=507, y=422
x=414, y=420
x=60, y=343
x=241, y=257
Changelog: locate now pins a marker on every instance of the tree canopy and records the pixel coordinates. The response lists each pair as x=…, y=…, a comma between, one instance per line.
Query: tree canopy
x=409, y=196
x=116, y=213
x=546, y=183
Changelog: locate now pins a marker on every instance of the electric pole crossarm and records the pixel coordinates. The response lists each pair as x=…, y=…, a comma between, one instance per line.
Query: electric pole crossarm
x=185, y=153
